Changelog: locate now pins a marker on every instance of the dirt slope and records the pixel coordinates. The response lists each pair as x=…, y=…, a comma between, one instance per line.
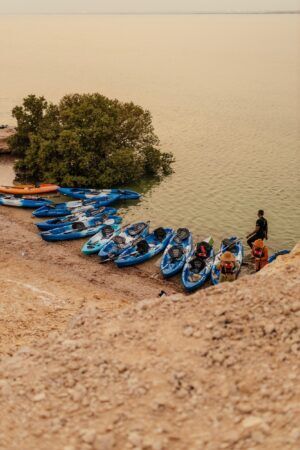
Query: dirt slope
x=219, y=369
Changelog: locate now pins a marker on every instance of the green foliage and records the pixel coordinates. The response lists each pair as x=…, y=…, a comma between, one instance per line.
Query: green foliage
x=86, y=140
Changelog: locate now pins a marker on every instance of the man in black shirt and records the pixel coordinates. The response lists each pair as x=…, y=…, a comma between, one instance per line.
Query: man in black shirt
x=261, y=229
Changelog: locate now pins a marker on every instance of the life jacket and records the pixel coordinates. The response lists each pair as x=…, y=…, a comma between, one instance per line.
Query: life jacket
x=258, y=252
x=202, y=249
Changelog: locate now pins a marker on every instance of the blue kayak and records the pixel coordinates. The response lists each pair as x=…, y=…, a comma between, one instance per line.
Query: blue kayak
x=104, y=234
x=176, y=252
x=67, y=208
x=198, y=265
x=118, y=243
x=68, y=220
x=276, y=254
x=28, y=202
x=84, y=193
x=78, y=230
x=235, y=246
x=146, y=248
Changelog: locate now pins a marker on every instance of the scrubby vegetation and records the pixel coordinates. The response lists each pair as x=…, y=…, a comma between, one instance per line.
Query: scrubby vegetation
x=86, y=140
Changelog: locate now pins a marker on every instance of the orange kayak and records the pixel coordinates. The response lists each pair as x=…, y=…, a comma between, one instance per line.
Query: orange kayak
x=29, y=189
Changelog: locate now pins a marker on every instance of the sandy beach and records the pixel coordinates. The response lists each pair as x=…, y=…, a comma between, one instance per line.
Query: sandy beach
x=61, y=280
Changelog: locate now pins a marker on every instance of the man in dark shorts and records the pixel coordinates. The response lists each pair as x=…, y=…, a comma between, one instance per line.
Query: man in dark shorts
x=261, y=229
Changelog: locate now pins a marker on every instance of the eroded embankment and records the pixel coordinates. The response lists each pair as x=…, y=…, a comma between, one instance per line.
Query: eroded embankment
x=219, y=369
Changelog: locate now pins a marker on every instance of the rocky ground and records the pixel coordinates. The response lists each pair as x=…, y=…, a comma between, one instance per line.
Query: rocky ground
x=93, y=360
x=5, y=133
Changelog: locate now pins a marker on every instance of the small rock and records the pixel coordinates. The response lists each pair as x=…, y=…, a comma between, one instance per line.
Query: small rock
x=78, y=393
x=295, y=348
x=153, y=443
x=176, y=297
x=257, y=436
x=88, y=436
x=231, y=436
x=105, y=442
x=252, y=421
x=134, y=438
x=39, y=397
x=218, y=357
x=217, y=334
x=188, y=331
x=295, y=306
x=244, y=407
x=269, y=328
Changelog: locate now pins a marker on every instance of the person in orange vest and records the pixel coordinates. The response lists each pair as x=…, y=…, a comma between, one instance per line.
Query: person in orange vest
x=260, y=254
x=227, y=267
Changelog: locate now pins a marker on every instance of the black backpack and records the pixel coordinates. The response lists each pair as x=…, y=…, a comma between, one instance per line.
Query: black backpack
x=142, y=247
x=181, y=235
x=175, y=252
x=159, y=234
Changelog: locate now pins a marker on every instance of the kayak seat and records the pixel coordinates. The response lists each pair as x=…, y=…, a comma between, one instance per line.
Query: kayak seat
x=142, y=247
x=229, y=244
x=181, y=235
x=78, y=226
x=107, y=231
x=159, y=234
x=119, y=240
x=197, y=264
x=136, y=229
x=175, y=252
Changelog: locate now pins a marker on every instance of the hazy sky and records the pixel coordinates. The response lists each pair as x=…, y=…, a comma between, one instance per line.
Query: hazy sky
x=86, y=6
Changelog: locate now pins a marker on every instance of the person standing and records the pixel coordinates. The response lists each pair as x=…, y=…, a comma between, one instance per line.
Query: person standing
x=261, y=229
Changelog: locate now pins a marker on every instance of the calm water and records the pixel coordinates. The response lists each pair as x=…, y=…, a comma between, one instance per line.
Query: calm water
x=224, y=92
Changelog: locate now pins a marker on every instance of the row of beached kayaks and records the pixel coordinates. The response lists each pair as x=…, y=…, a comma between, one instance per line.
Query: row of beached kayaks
x=90, y=197
x=135, y=244
x=90, y=217
x=79, y=193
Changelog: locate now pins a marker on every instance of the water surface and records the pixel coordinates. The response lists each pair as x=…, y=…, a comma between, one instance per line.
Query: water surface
x=224, y=92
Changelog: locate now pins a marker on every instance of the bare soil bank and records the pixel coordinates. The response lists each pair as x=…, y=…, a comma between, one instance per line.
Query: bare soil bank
x=89, y=363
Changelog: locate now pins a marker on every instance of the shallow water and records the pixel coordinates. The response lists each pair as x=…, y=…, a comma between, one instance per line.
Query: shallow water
x=224, y=92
